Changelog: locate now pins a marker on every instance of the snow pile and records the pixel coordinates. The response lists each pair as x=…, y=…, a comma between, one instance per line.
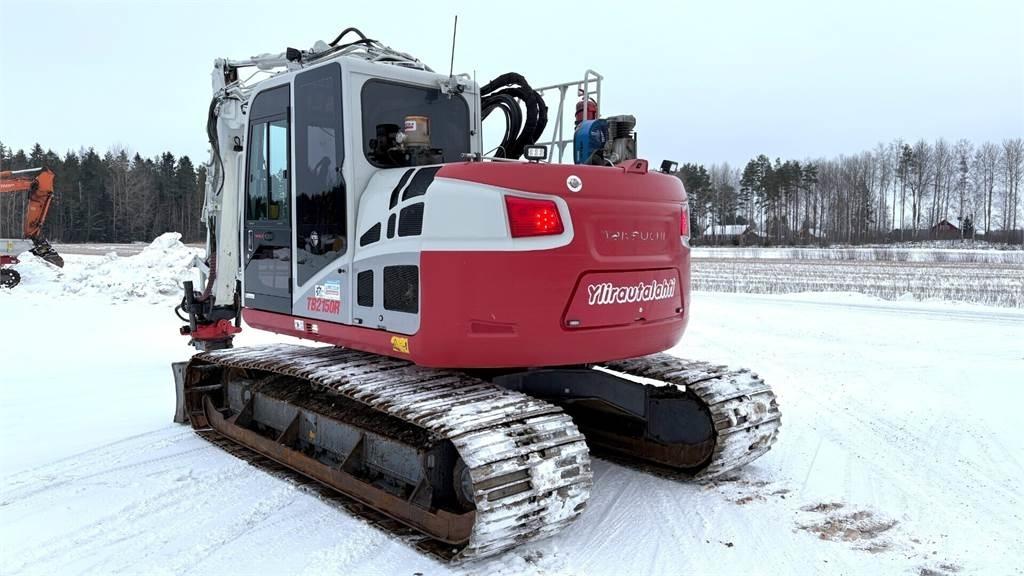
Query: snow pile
x=155, y=274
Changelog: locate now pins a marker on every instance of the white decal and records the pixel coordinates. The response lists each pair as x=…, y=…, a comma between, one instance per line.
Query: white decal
x=574, y=183
x=328, y=291
x=332, y=290
x=410, y=125
x=608, y=293
x=300, y=325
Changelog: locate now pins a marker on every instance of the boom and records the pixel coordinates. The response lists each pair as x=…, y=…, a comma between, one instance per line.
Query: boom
x=38, y=182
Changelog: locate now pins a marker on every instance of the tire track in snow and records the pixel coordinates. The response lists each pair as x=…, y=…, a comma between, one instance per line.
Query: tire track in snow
x=54, y=482
x=264, y=508
x=107, y=453
x=110, y=529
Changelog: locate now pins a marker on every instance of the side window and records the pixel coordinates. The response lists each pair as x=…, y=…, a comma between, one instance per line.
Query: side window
x=321, y=225
x=256, y=207
x=267, y=197
x=278, y=162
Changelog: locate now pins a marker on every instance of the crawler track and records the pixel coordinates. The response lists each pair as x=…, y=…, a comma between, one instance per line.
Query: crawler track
x=743, y=409
x=432, y=547
x=528, y=464
x=524, y=462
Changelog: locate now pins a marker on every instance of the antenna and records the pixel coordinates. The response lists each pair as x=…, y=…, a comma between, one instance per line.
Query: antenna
x=455, y=28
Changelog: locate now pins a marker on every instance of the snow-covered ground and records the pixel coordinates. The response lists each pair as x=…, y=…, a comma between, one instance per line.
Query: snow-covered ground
x=983, y=253
x=900, y=450
x=991, y=284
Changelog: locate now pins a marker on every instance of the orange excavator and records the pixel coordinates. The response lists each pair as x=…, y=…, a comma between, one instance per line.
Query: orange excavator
x=38, y=182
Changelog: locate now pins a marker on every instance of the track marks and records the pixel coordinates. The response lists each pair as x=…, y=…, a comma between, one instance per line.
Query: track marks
x=863, y=528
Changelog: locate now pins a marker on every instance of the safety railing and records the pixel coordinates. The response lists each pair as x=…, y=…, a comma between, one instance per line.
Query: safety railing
x=586, y=89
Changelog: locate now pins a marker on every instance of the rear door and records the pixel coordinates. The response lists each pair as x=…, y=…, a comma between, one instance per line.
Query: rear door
x=267, y=233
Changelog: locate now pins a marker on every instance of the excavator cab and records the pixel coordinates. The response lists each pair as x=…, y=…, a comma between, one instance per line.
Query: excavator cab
x=310, y=164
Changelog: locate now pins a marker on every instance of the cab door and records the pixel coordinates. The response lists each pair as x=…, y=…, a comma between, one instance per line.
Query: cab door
x=267, y=230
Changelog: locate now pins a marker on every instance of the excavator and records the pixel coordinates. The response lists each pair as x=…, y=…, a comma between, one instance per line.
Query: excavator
x=38, y=182
x=480, y=322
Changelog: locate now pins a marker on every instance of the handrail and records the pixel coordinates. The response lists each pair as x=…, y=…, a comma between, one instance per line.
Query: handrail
x=589, y=86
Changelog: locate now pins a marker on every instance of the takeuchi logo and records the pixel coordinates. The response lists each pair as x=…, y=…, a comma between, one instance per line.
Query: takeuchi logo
x=609, y=293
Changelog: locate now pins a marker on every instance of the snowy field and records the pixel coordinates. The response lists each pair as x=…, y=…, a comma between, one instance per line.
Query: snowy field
x=949, y=253
x=900, y=451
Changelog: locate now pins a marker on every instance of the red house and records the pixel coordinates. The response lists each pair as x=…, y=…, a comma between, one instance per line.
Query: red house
x=945, y=230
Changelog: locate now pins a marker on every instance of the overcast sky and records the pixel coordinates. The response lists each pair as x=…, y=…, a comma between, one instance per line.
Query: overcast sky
x=707, y=81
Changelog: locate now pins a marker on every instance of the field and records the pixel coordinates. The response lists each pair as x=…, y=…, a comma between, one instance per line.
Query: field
x=900, y=451
x=977, y=255
x=991, y=277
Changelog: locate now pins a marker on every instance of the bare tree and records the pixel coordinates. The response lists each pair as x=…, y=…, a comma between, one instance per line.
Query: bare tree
x=920, y=178
x=984, y=167
x=962, y=157
x=884, y=165
x=942, y=163
x=1012, y=165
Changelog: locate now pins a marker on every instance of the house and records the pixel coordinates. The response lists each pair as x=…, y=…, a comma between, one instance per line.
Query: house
x=734, y=234
x=944, y=230
x=808, y=234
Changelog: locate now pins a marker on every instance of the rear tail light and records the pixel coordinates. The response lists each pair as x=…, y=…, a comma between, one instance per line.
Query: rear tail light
x=684, y=223
x=532, y=217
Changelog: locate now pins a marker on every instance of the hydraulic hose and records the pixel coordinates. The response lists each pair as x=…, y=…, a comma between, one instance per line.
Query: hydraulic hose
x=512, y=93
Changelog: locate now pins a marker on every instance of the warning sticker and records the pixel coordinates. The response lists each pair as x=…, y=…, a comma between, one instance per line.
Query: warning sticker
x=400, y=344
x=332, y=290
x=327, y=291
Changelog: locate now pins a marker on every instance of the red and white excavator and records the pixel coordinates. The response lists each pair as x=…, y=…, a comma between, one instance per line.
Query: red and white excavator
x=489, y=320
x=38, y=182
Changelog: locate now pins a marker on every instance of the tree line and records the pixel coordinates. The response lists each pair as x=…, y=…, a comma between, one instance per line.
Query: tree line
x=110, y=197
x=896, y=191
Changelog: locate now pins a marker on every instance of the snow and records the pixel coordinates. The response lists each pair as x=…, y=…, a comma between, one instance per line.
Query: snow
x=951, y=253
x=929, y=279
x=155, y=273
x=900, y=449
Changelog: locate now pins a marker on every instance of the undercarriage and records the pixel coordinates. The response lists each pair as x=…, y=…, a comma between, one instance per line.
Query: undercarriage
x=476, y=462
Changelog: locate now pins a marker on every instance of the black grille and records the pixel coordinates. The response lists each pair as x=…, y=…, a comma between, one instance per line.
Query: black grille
x=364, y=288
x=420, y=182
x=371, y=235
x=398, y=188
x=410, y=222
x=391, y=226
x=402, y=288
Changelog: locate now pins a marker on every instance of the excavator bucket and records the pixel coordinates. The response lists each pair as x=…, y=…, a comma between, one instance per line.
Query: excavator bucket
x=44, y=250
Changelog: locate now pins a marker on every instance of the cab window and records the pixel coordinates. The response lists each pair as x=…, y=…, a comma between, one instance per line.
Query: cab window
x=267, y=195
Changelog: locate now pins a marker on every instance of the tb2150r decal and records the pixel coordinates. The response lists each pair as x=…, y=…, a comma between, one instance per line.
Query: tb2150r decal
x=314, y=304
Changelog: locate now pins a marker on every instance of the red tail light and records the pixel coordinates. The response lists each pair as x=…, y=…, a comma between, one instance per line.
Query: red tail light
x=532, y=217
x=684, y=223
